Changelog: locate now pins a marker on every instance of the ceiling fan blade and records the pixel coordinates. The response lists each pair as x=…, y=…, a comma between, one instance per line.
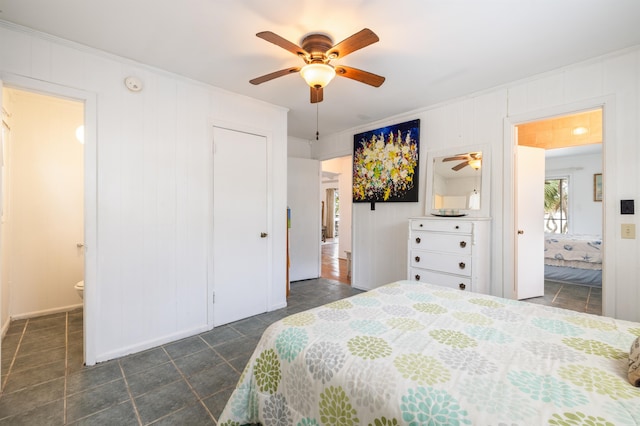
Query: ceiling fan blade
x=316, y=95
x=355, y=42
x=284, y=43
x=359, y=75
x=276, y=74
x=460, y=166
x=456, y=158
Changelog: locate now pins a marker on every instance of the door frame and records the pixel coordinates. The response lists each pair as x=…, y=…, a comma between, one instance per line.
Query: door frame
x=509, y=232
x=89, y=100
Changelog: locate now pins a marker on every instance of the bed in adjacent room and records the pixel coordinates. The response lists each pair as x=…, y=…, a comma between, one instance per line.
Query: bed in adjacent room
x=575, y=259
x=415, y=353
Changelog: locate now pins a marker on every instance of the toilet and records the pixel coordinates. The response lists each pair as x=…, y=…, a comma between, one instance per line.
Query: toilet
x=80, y=288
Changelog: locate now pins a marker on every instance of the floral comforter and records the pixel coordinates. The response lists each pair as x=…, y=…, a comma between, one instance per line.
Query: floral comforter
x=414, y=353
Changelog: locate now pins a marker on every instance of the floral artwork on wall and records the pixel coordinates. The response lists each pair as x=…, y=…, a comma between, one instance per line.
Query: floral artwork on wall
x=385, y=164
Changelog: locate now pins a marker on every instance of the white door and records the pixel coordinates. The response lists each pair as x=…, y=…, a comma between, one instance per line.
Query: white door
x=303, y=198
x=240, y=234
x=530, y=175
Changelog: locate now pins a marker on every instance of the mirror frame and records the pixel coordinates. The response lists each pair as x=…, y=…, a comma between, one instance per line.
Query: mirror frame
x=485, y=187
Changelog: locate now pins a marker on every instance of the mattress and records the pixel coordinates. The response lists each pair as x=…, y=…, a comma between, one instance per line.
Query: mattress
x=416, y=353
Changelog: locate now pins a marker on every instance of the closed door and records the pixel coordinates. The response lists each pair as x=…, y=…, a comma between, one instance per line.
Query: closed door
x=530, y=172
x=240, y=234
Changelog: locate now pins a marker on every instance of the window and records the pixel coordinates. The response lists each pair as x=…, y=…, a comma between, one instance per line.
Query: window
x=556, y=205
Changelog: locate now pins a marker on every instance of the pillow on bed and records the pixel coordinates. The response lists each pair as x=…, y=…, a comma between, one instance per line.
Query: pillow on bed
x=634, y=363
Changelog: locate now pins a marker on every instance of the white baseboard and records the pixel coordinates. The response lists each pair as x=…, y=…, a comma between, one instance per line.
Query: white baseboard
x=45, y=312
x=142, y=346
x=5, y=327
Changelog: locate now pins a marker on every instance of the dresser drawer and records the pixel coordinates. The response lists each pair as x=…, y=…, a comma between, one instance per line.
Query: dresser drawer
x=438, y=241
x=431, y=277
x=441, y=225
x=442, y=262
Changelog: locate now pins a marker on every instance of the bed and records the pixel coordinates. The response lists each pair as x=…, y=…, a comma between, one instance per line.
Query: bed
x=573, y=258
x=415, y=353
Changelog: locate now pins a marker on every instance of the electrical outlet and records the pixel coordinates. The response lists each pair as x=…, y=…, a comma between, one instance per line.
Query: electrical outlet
x=628, y=231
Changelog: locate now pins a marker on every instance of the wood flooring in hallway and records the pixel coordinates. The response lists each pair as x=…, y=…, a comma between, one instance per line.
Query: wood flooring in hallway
x=333, y=268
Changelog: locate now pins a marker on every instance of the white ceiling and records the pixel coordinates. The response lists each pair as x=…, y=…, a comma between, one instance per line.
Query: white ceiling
x=429, y=50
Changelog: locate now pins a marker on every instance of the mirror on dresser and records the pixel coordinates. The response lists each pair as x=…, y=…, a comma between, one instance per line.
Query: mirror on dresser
x=458, y=182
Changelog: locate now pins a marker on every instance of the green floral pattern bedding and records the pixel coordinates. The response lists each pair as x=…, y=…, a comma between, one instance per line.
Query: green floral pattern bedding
x=418, y=354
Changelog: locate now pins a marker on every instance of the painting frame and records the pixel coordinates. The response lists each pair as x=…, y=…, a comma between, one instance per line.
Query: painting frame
x=386, y=164
x=597, y=187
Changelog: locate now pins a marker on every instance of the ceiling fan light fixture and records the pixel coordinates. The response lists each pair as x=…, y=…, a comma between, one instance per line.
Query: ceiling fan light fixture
x=475, y=163
x=579, y=131
x=317, y=75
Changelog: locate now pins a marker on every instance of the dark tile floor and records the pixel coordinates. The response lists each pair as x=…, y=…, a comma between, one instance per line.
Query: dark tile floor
x=186, y=382
x=569, y=296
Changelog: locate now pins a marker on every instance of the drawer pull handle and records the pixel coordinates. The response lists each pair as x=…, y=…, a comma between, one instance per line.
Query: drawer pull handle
x=417, y=258
x=462, y=286
x=462, y=265
x=417, y=277
x=421, y=225
x=418, y=240
x=457, y=226
x=463, y=244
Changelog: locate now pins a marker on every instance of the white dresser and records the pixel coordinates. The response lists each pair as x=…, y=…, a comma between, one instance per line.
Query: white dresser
x=452, y=252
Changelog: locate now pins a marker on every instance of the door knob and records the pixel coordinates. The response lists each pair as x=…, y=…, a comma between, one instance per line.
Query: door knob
x=263, y=235
x=520, y=232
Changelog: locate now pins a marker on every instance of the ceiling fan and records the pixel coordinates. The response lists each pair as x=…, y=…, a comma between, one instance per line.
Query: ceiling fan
x=317, y=51
x=473, y=159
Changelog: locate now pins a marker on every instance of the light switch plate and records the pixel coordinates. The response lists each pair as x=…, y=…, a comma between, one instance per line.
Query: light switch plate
x=627, y=207
x=628, y=231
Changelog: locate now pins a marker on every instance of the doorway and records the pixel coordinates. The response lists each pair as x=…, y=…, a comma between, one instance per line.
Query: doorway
x=570, y=229
x=336, y=219
x=42, y=245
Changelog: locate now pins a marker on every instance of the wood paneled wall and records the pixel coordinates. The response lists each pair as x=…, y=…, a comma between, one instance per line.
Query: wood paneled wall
x=379, y=243
x=154, y=188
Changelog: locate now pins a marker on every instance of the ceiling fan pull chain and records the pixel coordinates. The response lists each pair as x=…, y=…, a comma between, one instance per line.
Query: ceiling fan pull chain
x=317, y=121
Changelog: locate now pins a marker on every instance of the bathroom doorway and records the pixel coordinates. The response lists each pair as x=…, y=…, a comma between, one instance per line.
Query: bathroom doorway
x=42, y=246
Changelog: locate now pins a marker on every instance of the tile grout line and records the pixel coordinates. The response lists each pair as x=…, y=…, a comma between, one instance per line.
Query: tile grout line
x=558, y=293
x=133, y=401
x=200, y=401
x=15, y=355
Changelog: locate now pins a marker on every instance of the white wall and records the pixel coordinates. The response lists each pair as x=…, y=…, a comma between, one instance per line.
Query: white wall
x=585, y=215
x=43, y=210
x=153, y=191
x=298, y=147
x=6, y=107
x=379, y=246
